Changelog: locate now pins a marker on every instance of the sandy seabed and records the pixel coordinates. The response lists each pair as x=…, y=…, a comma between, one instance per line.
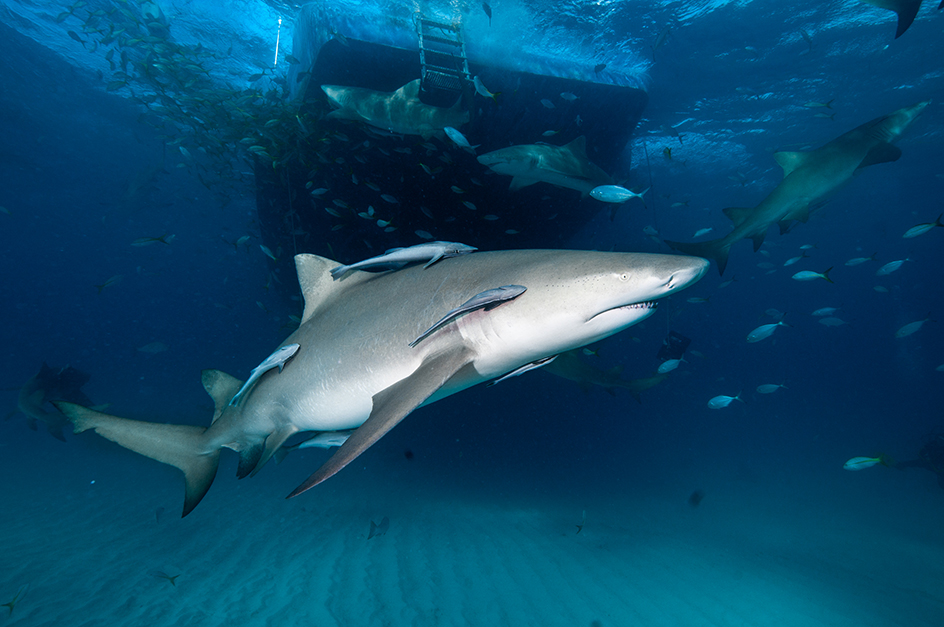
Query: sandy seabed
x=805, y=555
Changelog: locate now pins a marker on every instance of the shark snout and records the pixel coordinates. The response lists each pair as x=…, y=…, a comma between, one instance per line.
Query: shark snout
x=687, y=271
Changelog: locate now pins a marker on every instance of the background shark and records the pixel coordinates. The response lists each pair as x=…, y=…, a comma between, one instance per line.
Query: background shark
x=355, y=367
x=810, y=178
x=565, y=166
x=574, y=368
x=399, y=112
x=51, y=384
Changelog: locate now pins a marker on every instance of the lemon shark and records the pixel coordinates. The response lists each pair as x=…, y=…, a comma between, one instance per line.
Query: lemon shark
x=355, y=367
x=564, y=166
x=401, y=112
x=810, y=178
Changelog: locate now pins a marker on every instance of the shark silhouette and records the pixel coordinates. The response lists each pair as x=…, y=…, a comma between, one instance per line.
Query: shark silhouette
x=810, y=178
x=51, y=384
x=564, y=166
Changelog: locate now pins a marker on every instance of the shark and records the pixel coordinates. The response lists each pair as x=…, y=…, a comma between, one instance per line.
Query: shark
x=810, y=179
x=564, y=166
x=52, y=384
x=355, y=368
x=400, y=112
x=571, y=366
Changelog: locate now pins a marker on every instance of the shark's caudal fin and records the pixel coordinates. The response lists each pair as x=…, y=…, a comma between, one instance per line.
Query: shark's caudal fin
x=906, y=10
x=181, y=446
x=716, y=249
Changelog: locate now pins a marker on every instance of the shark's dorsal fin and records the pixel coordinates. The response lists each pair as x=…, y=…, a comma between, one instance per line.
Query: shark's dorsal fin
x=411, y=90
x=316, y=283
x=578, y=147
x=737, y=215
x=790, y=161
x=221, y=387
x=883, y=153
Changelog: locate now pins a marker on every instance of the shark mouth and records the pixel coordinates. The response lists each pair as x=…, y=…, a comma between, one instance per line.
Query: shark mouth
x=648, y=304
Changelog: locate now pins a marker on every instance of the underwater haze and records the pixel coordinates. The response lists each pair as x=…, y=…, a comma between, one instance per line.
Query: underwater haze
x=146, y=148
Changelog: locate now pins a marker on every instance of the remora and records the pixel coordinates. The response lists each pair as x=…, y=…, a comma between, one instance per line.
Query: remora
x=355, y=368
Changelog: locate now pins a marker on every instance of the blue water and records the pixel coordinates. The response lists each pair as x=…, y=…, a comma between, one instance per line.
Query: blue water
x=83, y=176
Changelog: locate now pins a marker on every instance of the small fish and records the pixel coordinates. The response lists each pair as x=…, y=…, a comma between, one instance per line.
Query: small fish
x=819, y=105
x=650, y=231
x=523, y=369
x=162, y=575
x=74, y=35
x=166, y=238
x=469, y=205
x=704, y=231
x=774, y=313
x=569, y=97
x=669, y=365
x=890, y=267
x=764, y=331
x=880, y=289
x=911, y=327
x=832, y=321
x=391, y=199
x=698, y=299
x=807, y=246
x=379, y=530
x=549, y=133
x=921, y=229
x=153, y=348
x=615, y=193
x=825, y=311
x=667, y=153
x=277, y=358
x=599, y=67
x=860, y=260
x=793, y=260
x=268, y=253
x=115, y=280
x=489, y=299
x=809, y=275
x=423, y=234
x=858, y=463
x=722, y=401
x=430, y=252
x=769, y=388
x=460, y=139
x=482, y=90
x=547, y=103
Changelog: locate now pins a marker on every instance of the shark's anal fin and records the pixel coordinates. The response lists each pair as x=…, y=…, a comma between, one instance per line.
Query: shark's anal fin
x=180, y=446
x=883, y=153
x=390, y=407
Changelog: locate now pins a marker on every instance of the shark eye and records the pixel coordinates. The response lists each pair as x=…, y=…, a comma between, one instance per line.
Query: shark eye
x=624, y=276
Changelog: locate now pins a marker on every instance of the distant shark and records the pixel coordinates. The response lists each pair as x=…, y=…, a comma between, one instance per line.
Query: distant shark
x=571, y=366
x=355, y=368
x=51, y=384
x=810, y=178
x=564, y=166
x=400, y=112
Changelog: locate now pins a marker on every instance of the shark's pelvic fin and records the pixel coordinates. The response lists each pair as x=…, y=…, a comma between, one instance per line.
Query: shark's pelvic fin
x=221, y=387
x=390, y=407
x=181, y=446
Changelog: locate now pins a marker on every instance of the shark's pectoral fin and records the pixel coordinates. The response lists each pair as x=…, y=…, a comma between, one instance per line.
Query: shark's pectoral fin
x=883, y=153
x=737, y=215
x=221, y=387
x=518, y=182
x=390, y=407
x=790, y=161
x=55, y=430
x=758, y=240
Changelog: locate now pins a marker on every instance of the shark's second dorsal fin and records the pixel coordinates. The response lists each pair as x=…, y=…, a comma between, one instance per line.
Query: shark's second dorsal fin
x=790, y=161
x=578, y=147
x=737, y=215
x=316, y=283
x=883, y=153
x=411, y=90
x=221, y=387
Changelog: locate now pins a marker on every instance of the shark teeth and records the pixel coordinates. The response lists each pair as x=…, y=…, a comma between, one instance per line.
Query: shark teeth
x=649, y=304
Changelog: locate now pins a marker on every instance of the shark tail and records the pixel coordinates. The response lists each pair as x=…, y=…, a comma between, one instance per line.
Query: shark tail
x=181, y=446
x=716, y=249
